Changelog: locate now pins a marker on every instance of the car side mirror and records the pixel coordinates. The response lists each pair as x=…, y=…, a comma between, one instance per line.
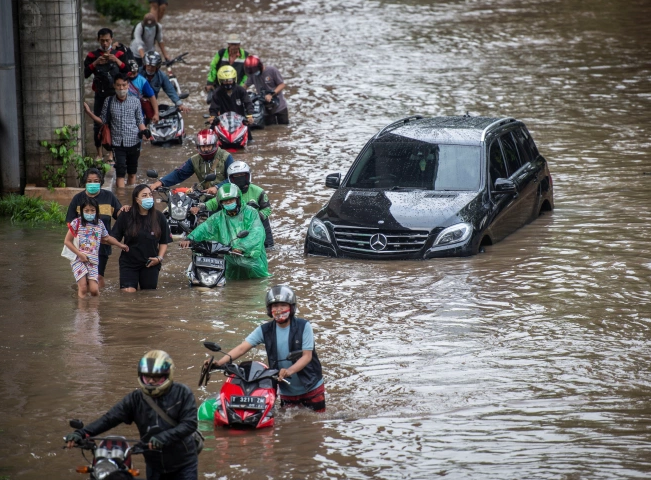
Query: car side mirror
x=152, y=173
x=210, y=177
x=295, y=355
x=212, y=346
x=504, y=185
x=333, y=180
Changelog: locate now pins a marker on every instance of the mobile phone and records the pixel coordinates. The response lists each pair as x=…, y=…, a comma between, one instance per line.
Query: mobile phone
x=148, y=262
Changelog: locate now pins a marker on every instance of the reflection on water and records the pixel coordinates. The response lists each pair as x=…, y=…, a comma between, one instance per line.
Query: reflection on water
x=530, y=360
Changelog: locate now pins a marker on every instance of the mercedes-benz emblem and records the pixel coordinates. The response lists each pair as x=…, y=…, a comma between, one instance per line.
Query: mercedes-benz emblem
x=378, y=242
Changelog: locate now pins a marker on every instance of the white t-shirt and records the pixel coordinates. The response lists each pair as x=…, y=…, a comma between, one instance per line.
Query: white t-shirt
x=145, y=38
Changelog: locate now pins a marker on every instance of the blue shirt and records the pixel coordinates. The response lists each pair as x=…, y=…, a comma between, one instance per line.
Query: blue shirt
x=161, y=80
x=282, y=347
x=139, y=87
x=185, y=171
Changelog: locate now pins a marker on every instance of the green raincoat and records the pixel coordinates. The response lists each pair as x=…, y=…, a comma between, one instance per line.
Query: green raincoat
x=223, y=228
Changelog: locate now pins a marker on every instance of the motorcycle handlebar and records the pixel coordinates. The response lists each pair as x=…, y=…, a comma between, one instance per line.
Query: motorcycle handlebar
x=180, y=58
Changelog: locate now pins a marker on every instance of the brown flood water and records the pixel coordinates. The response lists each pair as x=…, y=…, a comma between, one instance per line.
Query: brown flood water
x=528, y=361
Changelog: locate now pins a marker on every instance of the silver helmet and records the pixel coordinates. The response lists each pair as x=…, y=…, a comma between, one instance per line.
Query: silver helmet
x=281, y=294
x=153, y=58
x=241, y=175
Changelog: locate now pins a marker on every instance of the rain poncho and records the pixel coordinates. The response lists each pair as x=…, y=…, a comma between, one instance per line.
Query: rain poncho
x=223, y=228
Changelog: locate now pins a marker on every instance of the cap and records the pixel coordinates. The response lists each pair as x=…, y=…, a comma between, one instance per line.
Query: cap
x=233, y=38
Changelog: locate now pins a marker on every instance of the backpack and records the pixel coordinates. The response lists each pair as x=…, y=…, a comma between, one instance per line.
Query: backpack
x=127, y=54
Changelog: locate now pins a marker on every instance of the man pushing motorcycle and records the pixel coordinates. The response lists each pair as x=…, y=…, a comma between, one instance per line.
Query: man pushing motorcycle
x=208, y=159
x=248, y=258
x=172, y=450
x=284, y=334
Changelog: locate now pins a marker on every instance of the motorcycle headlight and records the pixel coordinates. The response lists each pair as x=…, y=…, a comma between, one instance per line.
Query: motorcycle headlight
x=208, y=278
x=454, y=234
x=179, y=213
x=104, y=468
x=318, y=230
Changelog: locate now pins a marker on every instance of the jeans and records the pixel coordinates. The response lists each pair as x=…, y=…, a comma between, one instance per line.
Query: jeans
x=191, y=472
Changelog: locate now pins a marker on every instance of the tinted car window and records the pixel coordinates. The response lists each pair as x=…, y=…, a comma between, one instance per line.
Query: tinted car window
x=400, y=162
x=528, y=141
x=523, y=146
x=496, y=166
x=510, y=153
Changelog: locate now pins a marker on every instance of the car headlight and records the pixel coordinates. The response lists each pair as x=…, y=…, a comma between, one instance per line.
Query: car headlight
x=454, y=234
x=208, y=278
x=318, y=230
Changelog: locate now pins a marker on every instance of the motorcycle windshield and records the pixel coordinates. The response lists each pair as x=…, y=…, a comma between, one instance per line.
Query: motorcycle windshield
x=210, y=248
x=231, y=121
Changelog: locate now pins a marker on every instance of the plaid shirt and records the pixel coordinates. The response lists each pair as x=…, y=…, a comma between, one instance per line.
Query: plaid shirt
x=125, y=118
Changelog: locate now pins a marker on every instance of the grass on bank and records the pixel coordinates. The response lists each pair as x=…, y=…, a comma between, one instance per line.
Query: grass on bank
x=22, y=209
x=131, y=10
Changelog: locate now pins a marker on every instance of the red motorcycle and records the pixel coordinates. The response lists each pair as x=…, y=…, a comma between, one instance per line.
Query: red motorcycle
x=232, y=131
x=247, y=397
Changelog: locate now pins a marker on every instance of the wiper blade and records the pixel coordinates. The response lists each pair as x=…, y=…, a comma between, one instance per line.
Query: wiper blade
x=398, y=187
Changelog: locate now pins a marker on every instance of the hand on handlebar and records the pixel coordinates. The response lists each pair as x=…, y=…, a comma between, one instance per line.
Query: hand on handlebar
x=185, y=243
x=73, y=439
x=211, y=191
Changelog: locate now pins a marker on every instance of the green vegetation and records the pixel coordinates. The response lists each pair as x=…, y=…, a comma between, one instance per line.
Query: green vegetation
x=63, y=153
x=31, y=210
x=132, y=10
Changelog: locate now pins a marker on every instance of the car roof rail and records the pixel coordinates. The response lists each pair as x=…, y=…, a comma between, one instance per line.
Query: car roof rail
x=398, y=123
x=501, y=121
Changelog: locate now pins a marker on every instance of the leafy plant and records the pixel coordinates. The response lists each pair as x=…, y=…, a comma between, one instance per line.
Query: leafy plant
x=31, y=210
x=63, y=152
x=132, y=10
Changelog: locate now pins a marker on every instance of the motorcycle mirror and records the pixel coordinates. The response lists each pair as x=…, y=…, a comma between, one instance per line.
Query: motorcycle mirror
x=295, y=355
x=184, y=95
x=205, y=115
x=212, y=346
x=254, y=204
x=151, y=173
x=242, y=234
x=210, y=177
x=76, y=424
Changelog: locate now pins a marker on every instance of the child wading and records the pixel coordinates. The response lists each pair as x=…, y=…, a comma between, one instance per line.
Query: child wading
x=90, y=233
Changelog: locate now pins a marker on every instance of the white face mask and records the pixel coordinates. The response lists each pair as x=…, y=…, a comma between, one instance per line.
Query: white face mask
x=108, y=47
x=121, y=93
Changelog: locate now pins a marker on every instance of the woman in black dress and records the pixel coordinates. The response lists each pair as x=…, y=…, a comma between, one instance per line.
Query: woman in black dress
x=147, y=234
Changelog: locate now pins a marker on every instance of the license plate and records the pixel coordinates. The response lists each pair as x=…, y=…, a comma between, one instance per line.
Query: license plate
x=249, y=403
x=209, y=262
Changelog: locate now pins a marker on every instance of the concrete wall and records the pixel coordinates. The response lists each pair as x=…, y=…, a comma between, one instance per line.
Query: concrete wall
x=51, y=77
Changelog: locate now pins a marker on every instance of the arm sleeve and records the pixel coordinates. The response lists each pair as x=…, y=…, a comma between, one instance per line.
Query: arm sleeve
x=308, y=337
x=122, y=412
x=89, y=69
x=227, y=164
x=212, y=73
x=187, y=421
x=137, y=36
x=138, y=113
x=147, y=91
x=265, y=206
x=179, y=175
x=103, y=115
x=255, y=337
x=105, y=232
x=248, y=105
x=203, y=231
x=170, y=90
x=252, y=245
x=159, y=33
x=116, y=205
x=211, y=205
x=214, y=105
x=118, y=229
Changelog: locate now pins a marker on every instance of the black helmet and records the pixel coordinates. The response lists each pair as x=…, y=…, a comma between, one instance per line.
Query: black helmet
x=152, y=57
x=281, y=294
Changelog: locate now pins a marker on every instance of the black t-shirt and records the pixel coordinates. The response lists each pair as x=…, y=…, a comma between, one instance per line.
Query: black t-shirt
x=109, y=205
x=144, y=245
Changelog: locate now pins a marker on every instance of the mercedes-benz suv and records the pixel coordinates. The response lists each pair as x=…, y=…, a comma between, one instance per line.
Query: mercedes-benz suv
x=433, y=187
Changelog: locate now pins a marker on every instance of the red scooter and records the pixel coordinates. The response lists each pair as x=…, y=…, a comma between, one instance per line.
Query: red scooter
x=232, y=132
x=247, y=397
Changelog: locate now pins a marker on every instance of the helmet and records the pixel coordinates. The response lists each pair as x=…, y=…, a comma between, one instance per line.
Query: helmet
x=228, y=191
x=207, y=137
x=156, y=363
x=252, y=64
x=133, y=68
x=152, y=57
x=281, y=294
x=241, y=175
x=226, y=73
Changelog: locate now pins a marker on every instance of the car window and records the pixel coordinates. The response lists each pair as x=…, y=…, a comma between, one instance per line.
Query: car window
x=522, y=146
x=400, y=162
x=529, y=143
x=510, y=153
x=496, y=166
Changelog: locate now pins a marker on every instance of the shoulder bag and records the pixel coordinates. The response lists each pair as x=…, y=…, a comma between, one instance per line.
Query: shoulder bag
x=105, y=129
x=66, y=252
x=198, y=437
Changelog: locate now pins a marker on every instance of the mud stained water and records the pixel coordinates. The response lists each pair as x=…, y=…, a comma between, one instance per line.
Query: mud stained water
x=528, y=361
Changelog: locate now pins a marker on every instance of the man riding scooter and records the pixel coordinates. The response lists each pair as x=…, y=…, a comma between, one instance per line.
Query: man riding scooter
x=158, y=79
x=209, y=159
x=230, y=97
x=248, y=258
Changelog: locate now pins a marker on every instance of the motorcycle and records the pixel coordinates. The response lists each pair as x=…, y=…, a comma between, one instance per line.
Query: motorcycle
x=179, y=202
x=170, y=127
x=111, y=455
x=247, y=397
x=232, y=133
x=208, y=263
x=261, y=108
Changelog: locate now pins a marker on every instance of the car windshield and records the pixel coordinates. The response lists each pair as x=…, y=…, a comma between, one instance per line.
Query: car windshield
x=402, y=163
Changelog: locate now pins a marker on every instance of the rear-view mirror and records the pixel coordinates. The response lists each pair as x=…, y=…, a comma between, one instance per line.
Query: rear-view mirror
x=76, y=424
x=333, y=180
x=212, y=346
x=210, y=177
x=295, y=355
x=205, y=115
x=151, y=173
x=184, y=95
x=242, y=234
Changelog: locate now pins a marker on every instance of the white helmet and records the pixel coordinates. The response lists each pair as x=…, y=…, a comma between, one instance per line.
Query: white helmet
x=239, y=174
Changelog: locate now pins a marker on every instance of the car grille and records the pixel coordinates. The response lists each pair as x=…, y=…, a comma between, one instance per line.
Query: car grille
x=376, y=241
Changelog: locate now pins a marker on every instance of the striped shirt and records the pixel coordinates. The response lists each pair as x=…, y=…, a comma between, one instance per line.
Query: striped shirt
x=125, y=117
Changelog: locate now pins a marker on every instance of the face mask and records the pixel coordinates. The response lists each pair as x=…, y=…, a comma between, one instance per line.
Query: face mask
x=147, y=203
x=121, y=93
x=257, y=73
x=92, y=188
x=89, y=217
x=281, y=317
x=230, y=207
x=108, y=47
x=228, y=86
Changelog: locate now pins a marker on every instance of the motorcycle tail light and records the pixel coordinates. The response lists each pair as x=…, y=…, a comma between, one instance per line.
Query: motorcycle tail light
x=84, y=469
x=134, y=472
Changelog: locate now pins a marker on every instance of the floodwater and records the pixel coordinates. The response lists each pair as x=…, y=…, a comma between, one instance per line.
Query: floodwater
x=528, y=361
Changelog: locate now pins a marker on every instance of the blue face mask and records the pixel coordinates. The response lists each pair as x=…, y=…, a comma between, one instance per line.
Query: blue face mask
x=89, y=217
x=147, y=203
x=230, y=207
x=92, y=188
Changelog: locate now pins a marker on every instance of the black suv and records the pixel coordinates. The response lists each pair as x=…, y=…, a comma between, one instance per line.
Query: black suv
x=433, y=187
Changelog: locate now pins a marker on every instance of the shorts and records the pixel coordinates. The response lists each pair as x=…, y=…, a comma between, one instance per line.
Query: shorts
x=160, y=2
x=126, y=160
x=314, y=400
x=143, y=277
x=101, y=266
x=278, y=118
x=89, y=270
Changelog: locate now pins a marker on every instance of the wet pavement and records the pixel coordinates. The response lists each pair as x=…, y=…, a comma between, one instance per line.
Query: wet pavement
x=528, y=361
